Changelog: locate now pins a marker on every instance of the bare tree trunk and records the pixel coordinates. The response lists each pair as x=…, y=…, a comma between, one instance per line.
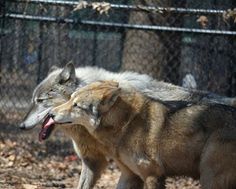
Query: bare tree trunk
x=144, y=51
x=16, y=52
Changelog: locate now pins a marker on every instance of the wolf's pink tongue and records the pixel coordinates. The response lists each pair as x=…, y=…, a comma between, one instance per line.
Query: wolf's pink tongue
x=46, y=129
x=49, y=122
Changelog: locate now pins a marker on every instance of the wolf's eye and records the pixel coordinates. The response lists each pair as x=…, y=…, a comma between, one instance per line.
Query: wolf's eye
x=90, y=107
x=39, y=100
x=81, y=107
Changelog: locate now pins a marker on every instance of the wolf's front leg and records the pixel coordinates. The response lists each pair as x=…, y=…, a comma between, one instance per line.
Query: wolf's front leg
x=91, y=154
x=128, y=180
x=91, y=171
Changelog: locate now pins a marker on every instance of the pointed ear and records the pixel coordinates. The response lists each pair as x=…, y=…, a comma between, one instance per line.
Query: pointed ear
x=68, y=73
x=52, y=68
x=109, y=99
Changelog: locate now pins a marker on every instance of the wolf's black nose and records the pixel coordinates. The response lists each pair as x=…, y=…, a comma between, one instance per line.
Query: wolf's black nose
x=22, y=126
x=50, y=115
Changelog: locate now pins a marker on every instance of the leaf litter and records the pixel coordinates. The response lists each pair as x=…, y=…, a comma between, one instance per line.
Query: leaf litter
x=25, y=163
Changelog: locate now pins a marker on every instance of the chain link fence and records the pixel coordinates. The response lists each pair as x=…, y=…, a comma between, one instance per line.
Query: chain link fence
x=189, y=43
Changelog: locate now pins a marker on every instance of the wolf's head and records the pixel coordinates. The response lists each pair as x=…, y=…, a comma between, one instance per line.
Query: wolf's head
x=85, y=107
x=54, y=90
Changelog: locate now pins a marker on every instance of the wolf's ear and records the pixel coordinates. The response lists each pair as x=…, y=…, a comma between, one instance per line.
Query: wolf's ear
x=52, y=68
x=68, y=73
x=109, y=99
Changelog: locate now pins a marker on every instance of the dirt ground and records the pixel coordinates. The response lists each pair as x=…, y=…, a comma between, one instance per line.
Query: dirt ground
x=25, y=163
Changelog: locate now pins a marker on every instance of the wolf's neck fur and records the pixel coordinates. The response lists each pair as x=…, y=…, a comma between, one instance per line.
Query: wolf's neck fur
x=128, y=106
x=132, y=112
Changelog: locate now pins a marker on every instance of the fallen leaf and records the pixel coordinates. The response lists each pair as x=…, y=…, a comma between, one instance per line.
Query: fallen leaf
x=10, y=164
x=71, y=158
x=12, y=157
x=203, y=21
x=81, y=5
x=29, y=186
x=24, y=164
x=2, y=146
x=101, y=7
x=230, y=13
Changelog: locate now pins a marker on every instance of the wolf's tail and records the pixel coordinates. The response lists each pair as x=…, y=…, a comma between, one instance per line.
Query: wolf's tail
x=233, y=103
x=230, y=101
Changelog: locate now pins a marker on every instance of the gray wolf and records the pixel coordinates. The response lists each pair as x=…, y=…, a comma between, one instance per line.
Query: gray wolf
x=61, y=83
x=58, y=86
x=151, y=139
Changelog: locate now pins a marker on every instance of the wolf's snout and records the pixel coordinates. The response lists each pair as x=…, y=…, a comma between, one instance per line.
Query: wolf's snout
x=22, y=126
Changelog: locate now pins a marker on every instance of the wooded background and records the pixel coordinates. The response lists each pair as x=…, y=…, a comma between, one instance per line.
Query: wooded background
x=185, y=42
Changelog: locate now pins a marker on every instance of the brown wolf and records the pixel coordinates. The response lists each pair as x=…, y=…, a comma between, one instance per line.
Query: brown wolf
x=152, y=139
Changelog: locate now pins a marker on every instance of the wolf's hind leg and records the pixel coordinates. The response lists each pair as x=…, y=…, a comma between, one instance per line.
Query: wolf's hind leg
x=218, y=161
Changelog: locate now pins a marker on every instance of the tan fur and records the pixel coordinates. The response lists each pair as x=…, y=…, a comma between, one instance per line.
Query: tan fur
x=91, y=153
x=152, y=140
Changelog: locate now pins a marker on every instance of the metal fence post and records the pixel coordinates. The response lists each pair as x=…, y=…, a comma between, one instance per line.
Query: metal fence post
x=40, y=51
x=2, y=22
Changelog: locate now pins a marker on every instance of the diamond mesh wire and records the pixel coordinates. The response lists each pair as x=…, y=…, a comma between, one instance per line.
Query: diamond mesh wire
x=174, y=41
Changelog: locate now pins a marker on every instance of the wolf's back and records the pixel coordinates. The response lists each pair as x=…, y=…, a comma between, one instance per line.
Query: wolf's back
x=91, y=74
x=150, y=87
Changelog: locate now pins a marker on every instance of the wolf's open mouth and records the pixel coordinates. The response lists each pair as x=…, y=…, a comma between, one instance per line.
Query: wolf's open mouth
x=47, y=127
